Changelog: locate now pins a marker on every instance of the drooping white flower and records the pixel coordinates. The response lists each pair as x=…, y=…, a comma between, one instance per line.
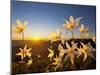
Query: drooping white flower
x=51, y=54
x=62, y=51
x=20, y=27
x=30, y=62
x=24, y=52
x=71, y=52
x=57, y=62
x=83, y=30
x=86, y=50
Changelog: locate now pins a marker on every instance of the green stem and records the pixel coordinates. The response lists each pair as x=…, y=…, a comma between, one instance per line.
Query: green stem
x=22, y=35
x=81, y=36
x=48, y=67
x=72, y=34
x=18, y=36
x=73, y=66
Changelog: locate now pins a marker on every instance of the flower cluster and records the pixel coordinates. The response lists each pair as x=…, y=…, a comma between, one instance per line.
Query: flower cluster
x=68, y=52
x=74, y=50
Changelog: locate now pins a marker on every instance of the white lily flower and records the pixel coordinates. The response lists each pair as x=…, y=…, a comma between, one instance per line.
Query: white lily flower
x=71, y=52
x=72, y=23
x=20, y=27
x=86, y=50
x=51, y=54
x=24, y=52
x=84, y=30
x=57, y=62
x=62, y=51
x=30, y=62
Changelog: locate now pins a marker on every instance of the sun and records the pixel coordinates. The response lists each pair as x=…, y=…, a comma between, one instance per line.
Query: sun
x=36, y=38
